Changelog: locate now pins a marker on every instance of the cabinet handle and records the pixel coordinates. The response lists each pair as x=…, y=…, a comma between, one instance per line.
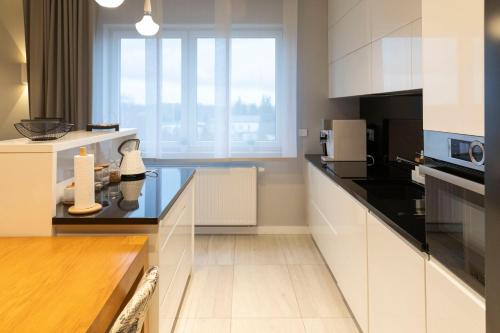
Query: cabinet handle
x=452, y=179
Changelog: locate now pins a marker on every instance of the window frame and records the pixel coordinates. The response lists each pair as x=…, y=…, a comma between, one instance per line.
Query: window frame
x=189, y=34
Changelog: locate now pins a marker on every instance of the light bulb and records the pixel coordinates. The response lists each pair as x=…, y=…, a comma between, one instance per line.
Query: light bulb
x=146, y=26
x=110, y=3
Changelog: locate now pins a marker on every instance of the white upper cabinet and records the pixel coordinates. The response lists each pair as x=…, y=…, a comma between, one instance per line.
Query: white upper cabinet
x=351, y=32
x=338, y=8
x=397, y=60
x=452, y=307
x=392, y=61
x=388, y=16
x=350, y=76
x=396, y=282
x=453, y=63
x=390, y=30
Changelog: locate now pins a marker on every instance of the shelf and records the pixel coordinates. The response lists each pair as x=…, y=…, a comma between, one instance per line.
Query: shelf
x=71, y=140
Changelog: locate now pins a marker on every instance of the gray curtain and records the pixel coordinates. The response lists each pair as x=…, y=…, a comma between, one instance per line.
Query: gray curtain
x=59, y=37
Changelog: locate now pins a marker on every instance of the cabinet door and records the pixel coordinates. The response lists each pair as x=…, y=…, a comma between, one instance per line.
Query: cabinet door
x=392, y=61
x=320, y=196
x=388, y=16
x=453, y=63
x=338, y=225
x=176, y=258
x=351, y=32
x=452, y=307
x=338, y=8
x=396, y=282
x=324, y=236
x=178, y=224
x=351, y=75
x=351, y=256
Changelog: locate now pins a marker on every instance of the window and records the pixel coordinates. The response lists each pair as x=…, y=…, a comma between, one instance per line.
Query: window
x=185, y=106
x=253, y=91
x=218, y=80
x=205, y=90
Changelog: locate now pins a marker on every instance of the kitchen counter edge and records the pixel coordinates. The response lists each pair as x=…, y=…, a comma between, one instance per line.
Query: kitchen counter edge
x=92, y=220
x=350, y=187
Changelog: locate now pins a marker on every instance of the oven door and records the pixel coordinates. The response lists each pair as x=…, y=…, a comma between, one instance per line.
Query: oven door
x=455, y=223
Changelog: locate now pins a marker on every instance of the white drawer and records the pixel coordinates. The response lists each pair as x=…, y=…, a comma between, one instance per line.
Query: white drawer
x=172, y=301
x=170, y=256
x=172, y=218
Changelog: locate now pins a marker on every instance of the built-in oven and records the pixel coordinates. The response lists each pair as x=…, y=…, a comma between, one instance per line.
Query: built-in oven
x=455, y=220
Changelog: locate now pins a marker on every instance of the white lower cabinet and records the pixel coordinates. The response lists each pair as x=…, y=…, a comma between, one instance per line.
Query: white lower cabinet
x=452, y=307
x=351, y=255
x=390, y=286
x=176, y=257
x=396, y=282
x=324, y=236
x=338, y=225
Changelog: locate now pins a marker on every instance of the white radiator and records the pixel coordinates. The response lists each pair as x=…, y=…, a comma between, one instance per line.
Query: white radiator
x=226, y=197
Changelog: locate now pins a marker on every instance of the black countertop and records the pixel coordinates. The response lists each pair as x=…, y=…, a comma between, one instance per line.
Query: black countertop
x=156, y=195
x=386, y=190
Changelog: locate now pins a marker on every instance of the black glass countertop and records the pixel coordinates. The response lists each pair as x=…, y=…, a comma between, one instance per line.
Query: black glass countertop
x=386, y=190
x=144, y=201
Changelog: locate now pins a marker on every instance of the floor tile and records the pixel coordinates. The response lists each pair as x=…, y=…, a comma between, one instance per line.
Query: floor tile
x=201, y=249
x=267, y=326
x=209, y=293
x=317, y=294
x=258, y=250
x=203, y=326
x=300, y=249
x=330, y=325
x=263, y=291
x=214, y=250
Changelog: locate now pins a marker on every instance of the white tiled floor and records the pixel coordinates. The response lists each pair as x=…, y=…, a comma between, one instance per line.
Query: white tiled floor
x=264, y=284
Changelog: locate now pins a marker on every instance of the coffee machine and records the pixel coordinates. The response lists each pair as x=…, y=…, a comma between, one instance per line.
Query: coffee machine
x=343, y=140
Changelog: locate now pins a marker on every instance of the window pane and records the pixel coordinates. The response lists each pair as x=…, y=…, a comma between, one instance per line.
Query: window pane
x=133, y=83
x=171, y=91
x=205, y=90
x=253, y=90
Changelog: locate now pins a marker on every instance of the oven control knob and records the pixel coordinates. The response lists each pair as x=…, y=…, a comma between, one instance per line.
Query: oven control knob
x=476, y=153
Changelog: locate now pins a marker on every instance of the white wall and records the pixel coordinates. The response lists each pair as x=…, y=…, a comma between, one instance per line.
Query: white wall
x=13, y=95
x=281, y=185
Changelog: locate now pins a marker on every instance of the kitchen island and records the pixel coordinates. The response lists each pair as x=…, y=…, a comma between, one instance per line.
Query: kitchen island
x=161, y=206
x=67, y=284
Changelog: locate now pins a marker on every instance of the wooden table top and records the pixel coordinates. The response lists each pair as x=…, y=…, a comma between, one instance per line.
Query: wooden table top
x=67, y=284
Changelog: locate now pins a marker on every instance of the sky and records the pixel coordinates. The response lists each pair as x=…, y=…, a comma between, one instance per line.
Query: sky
x=252, y=70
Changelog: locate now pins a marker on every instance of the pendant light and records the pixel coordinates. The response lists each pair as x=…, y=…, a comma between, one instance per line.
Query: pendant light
x=146, y=26
x=110, y=3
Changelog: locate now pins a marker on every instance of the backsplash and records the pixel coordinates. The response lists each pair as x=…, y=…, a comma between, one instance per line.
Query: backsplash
x=394, y=125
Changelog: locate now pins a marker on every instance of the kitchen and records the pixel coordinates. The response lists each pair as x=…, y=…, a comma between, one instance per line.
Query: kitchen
x=250, y=166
